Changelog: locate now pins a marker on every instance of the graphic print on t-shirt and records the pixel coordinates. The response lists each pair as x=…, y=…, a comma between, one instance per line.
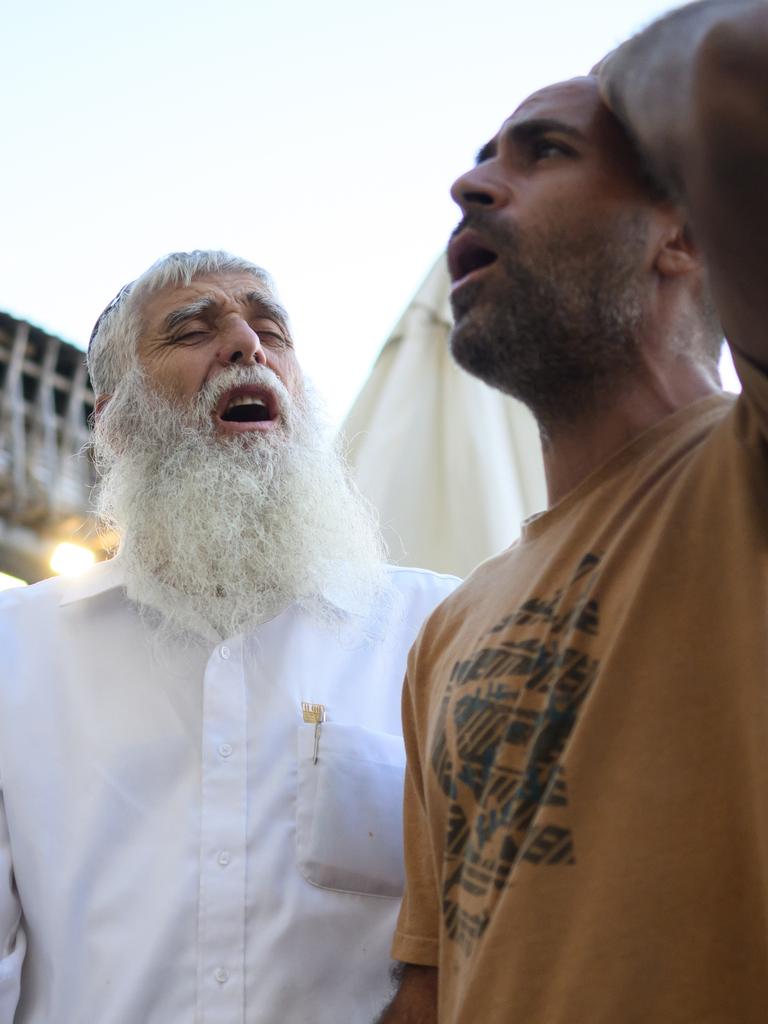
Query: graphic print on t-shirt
x=507, y=713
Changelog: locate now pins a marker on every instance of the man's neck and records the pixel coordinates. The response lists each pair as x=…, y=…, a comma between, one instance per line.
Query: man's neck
x=572, y=451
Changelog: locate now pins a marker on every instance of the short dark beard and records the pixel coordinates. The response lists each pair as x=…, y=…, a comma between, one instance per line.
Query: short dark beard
x=555, y=323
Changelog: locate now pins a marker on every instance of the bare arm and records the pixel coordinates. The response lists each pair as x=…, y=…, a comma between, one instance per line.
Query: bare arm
x=416, y=1000
x=692, y=90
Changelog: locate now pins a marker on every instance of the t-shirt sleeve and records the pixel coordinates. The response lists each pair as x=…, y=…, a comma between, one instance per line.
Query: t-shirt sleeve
x=416, y=936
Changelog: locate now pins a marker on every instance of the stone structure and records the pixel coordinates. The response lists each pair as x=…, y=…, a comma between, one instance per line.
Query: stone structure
x=45, y=476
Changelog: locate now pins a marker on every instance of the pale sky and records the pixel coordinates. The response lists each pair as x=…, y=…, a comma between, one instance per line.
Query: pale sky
x=318, y=139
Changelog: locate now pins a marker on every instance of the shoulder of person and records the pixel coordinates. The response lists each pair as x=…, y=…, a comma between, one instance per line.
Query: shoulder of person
x=63, y=589
x=413, y=581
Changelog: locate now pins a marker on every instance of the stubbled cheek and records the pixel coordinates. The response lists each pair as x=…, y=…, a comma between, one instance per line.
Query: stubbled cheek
x=292, y=376
x=173, y=381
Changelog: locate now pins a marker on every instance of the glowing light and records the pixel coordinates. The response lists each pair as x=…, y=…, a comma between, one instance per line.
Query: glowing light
x=70, y=559
x=7, y=581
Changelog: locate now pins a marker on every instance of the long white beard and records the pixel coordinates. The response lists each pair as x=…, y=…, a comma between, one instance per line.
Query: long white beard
x=232, y=529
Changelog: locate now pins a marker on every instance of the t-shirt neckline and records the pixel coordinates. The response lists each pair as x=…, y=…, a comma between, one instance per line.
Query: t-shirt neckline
x=536, y=524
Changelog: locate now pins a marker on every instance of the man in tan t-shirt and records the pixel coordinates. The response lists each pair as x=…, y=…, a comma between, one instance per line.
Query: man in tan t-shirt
x=587, y=716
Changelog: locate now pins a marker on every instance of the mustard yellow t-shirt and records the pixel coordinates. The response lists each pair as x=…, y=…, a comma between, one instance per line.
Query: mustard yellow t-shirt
x=587, y=729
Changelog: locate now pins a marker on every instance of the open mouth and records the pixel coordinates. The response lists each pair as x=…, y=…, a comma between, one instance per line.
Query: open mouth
x=247, y=406
x=246, y=410
x=466, y=254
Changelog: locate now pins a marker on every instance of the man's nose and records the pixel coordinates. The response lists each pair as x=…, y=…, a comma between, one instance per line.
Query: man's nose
x=241, y=344
x=478, y=187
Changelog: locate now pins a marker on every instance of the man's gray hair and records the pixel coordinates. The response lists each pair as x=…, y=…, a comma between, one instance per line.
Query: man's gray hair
x=115, y=336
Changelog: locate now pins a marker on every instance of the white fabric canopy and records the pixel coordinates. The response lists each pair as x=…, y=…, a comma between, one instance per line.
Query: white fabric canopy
x=452, y=465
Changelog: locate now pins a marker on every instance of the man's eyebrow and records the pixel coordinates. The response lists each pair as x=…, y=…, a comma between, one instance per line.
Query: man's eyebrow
x=267, y=305
x=193, y=309
x=203, y=306
x=525, y=131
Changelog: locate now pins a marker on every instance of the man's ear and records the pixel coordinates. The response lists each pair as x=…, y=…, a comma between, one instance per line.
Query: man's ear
x=100, y=404
x=677, y=253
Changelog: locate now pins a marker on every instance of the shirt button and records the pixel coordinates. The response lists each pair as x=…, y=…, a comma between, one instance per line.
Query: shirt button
x=221, y=974
x=224, y=651
x=224, y=858
x=225, y=749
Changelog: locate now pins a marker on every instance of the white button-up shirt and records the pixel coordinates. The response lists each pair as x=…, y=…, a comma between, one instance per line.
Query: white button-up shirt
x=170, y=849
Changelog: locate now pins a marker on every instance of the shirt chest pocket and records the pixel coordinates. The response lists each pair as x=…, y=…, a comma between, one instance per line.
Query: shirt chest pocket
x=349, y=830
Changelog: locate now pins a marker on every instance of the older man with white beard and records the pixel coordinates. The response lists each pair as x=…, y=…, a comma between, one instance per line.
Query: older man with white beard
x=200, y=752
